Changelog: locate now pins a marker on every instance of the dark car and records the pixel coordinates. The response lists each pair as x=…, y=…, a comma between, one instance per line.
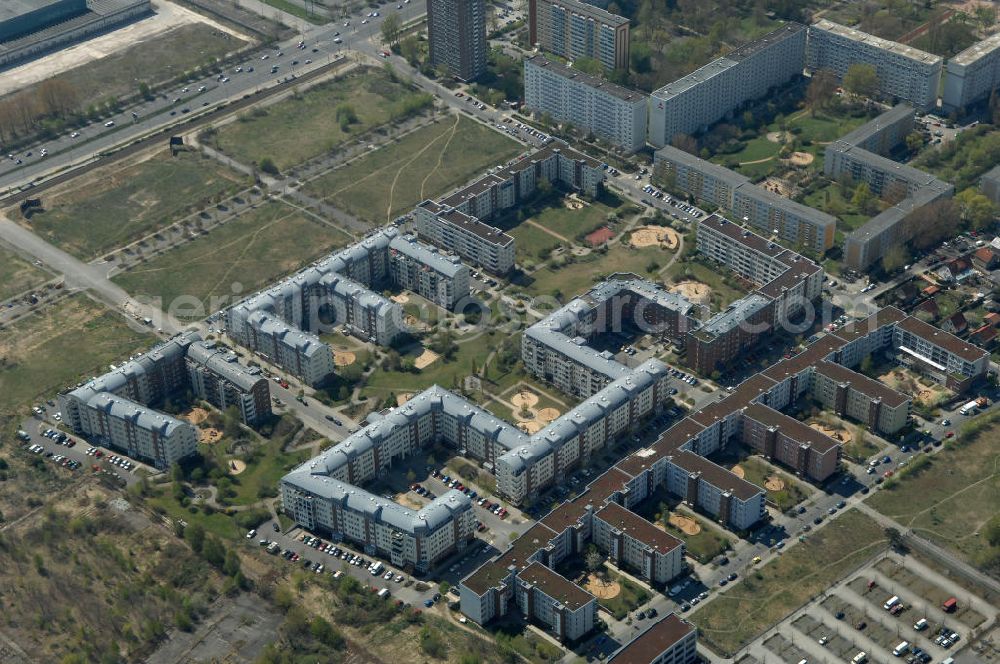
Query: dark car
x=860, y=625
x=732, y=577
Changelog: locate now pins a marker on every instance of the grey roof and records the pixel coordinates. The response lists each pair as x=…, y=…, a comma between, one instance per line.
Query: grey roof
x=595, y=82
x=591, y=10
x=695, y=78
x=144, y=418
x=732, y=178
x=14, y=8
x=291, y=337
x=780, y=34
x=450, y=266
x=734, y=314
x=893, y=215
x=884, y=44
x=977, y=51
x=874, y=126
x=779, y=202
x=224, y=362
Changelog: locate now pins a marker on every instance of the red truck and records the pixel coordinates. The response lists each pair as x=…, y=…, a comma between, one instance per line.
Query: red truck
x=950, y=605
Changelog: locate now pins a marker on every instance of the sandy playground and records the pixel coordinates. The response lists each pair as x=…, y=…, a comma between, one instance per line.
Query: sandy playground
x=774, y=483
x=652, y=236
x=402, y=298
x=902, y=381
x=196, y=416
x=531, y=426
x=426, y=359
x=524, y=399
x=800, y=159
x=406, y=499
x=403, y=398
x=685, y=524
x=602, y=589
x=209, y=436
x=837, y=433
x=572, y=202
x=344, y=358
x=778, y=136
x=236, y=467
x=738, y=471
x=695, y=291
x=777, y=186
x=547, y=415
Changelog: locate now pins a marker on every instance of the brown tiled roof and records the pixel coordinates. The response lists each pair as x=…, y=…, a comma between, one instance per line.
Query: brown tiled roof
x=716, y=475
x=473, y=225
x=638, y=528
x=791, y=427
x=951, y=343
x=810, y=356
x=557, y=587
x=657, y=639
x=490, y=575
x=742, y=235
x=866, y=326
x=634, y=464
x=565, y=516
x=607, y=483
x=680, y=433
x=862, y=383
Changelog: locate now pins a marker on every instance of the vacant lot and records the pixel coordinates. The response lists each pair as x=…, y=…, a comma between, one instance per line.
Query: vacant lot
x=118, y=204
x=951, y=499
x=153, y=61
x=573, y=278
x=768, y=594
x=17, y=275
x=47, y=351
x=307, y=124
x=239, y=257
x=424, y=164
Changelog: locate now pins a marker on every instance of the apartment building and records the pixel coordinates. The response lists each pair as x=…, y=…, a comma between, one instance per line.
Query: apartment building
x=670, y=640
x=861, y=155
x=705, y=96
x=574, y=29
x=565, y=608
x=938, y=354
x=790, y=442
x=416, y=267
x=766, y=211
x=787, y=282
x=903, y=72
x=636, y=544
x=456, y=36
x=592, y=104
x=139, y=432
x=455, y=222
x=216, y=376
x=279, y=322
x=972, y=75
x=850, y=394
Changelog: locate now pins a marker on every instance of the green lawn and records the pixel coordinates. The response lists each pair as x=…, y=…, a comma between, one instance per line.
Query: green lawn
x=704, y=546
x=239, y=257
x=306, y=125
x=723, y=294
x=17, y=275
x=115, y=205
x=803, y=572
x=218, y=524
x=265, y=468
x=532, y=244
x=756, y=471
x=424, y=164
x=830, y=200
x=573, y=223
x=574, y=278
x=630, y=598
x=59, y=346
x=295, y=10
x=953, y=499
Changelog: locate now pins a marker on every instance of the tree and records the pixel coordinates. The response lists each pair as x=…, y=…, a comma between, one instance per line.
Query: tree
x=861, y=80
x=391, y=26
x=685, y=142
x=863, y=197
x=409, y=48
x=821, y=90
x=594, y=561
x=267, y=165
x=589, y=66
x=56, y=96
x=195, y=535
x=895, y=538
x=914, y=141
x=894, y=258
x=977, y=210
x=930, y=224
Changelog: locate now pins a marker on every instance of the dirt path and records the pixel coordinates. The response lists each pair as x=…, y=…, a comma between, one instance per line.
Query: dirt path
x=417, y=155
x=531, y=222
x=454, y=130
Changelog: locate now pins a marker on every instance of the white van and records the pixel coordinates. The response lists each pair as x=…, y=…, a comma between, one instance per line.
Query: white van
x=920, y=625
x=891, y=602
x=901, y=649
x=860, y=658
x=950, y=660
x=383, y=593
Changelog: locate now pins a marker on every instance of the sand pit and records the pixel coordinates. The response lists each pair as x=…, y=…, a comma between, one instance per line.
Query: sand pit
x=774, y=483
x=801, y=159
x=196, y=416
x=547, y=414
x=685, y=524
x=426, y=359
x=402, y=298
x=602, y=589
x=778, y=136
x=571, y=202
x=695, y=291
x=209, y=435
x=532, y=426
x=738, y=471
x=407, y=500
x=344, y=358
x=236, y=467
x=843, y=435
x=524, y=399
x=403, y=398
x=652, y=236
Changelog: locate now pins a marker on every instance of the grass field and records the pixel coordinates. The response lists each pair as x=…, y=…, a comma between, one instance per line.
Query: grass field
x=57, y=347
x=704, y=546
x=630, y=598
x=153, y=61
x=952, y=498
x=574, y=278
x=265, y=468
x=424, y=164
x=829, y=200
x=803, y=572
x=305, y=125
x=243, y=255
x=17, y=275
x=115, y=205
x=757, y=471
x=296, y=10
